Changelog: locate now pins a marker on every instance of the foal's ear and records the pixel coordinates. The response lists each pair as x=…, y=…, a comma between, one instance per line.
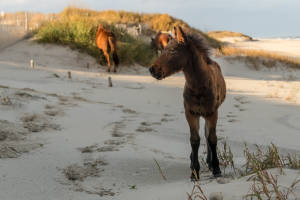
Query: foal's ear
x=180, y=36
x=174, y=32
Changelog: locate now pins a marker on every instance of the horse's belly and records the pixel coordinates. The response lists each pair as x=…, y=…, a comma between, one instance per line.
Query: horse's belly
x=200, y=106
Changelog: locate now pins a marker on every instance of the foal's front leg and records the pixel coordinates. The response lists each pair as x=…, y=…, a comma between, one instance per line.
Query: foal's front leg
x=212, y=140
x=193, y=121
x=209, y=156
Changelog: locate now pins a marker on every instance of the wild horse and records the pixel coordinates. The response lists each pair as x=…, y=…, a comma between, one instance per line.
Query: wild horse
x=204, y=90
x=107, y=42
x=160, y=41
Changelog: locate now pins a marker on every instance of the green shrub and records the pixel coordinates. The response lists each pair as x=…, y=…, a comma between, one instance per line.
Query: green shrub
x=76, y=27
x=80, y=33
x=157, y=22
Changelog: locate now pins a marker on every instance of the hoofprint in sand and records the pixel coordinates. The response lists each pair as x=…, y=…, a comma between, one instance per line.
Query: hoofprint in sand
x=80, y=139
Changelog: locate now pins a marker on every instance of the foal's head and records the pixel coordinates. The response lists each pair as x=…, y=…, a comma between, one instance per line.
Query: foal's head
x=173, y=58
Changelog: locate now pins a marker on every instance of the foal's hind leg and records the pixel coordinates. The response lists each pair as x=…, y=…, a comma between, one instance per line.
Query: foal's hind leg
x=210, y=124
x=108, y=60
x=193, y=121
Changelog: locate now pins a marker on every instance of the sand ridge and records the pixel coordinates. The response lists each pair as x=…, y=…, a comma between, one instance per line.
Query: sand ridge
x=87, y=140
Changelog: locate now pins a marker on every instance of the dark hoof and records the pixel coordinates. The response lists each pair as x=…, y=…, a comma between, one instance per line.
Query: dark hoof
x=209, y=165
x=217, y=173
x=108, y=70
x=115, y=71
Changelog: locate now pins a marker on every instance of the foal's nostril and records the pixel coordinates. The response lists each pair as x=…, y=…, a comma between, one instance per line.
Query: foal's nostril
x=159, y=75
x=151, y=69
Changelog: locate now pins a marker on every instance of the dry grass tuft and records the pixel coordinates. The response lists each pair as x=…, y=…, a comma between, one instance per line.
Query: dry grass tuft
x=265, y=186
x=197, y=193
x=260, y=160
x=160, y=170
x=225, y=156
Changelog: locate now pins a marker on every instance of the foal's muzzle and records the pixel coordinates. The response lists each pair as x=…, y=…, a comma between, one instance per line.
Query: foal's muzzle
x=155, y=74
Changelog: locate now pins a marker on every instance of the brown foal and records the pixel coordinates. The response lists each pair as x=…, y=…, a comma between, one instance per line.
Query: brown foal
x=204, y=90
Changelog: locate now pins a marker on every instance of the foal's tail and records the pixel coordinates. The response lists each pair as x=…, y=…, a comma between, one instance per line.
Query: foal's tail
x=113, y=48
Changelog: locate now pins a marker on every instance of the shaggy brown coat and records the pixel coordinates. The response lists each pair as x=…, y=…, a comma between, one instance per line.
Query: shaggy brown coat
x=204, y=90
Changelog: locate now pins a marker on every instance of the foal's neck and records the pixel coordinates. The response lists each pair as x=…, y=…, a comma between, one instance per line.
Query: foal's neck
x=195, y=72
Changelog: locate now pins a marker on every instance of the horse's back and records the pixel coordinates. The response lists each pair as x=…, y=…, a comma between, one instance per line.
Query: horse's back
x=102, y=38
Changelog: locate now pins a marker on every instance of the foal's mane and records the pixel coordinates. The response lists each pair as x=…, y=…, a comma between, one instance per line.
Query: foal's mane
x=199, y=43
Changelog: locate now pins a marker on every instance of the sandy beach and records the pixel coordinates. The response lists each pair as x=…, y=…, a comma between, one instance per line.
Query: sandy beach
x=288, y=47
x=108, y=139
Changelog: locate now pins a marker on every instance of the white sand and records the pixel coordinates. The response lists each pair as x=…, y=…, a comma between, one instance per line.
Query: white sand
x=233, y=39
x=289, y=47
x=129, y=125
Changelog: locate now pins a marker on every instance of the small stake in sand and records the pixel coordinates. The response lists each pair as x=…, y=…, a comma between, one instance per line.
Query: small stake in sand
x=69, y=75
x=32, y=64
x=88, y=65
x=109, y=82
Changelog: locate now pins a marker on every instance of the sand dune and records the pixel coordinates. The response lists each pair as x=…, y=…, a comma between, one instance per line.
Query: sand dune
x=10, y=34
x=88, y=140
x=289, y=47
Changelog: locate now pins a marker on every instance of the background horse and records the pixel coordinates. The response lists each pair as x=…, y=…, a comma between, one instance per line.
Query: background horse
x=107, y=42
x=204, y=91
x=160, y=41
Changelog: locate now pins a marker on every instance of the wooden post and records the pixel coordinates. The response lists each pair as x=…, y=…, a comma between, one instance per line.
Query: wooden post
x=32, y=63
x=69, y=75
x=110, y=82
x=26, y=21
x=88, y=65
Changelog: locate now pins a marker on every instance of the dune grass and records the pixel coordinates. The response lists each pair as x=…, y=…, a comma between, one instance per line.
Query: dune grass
x=154, y=21
x=265, y=186
x=79, y=33
x=256, y=58
x=76, y=27
x=258, y=162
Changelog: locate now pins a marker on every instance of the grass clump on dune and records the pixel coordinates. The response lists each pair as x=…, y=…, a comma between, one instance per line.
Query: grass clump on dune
x=80, y=33
x=258, y=168
x=76, y=27
x=155, y=21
